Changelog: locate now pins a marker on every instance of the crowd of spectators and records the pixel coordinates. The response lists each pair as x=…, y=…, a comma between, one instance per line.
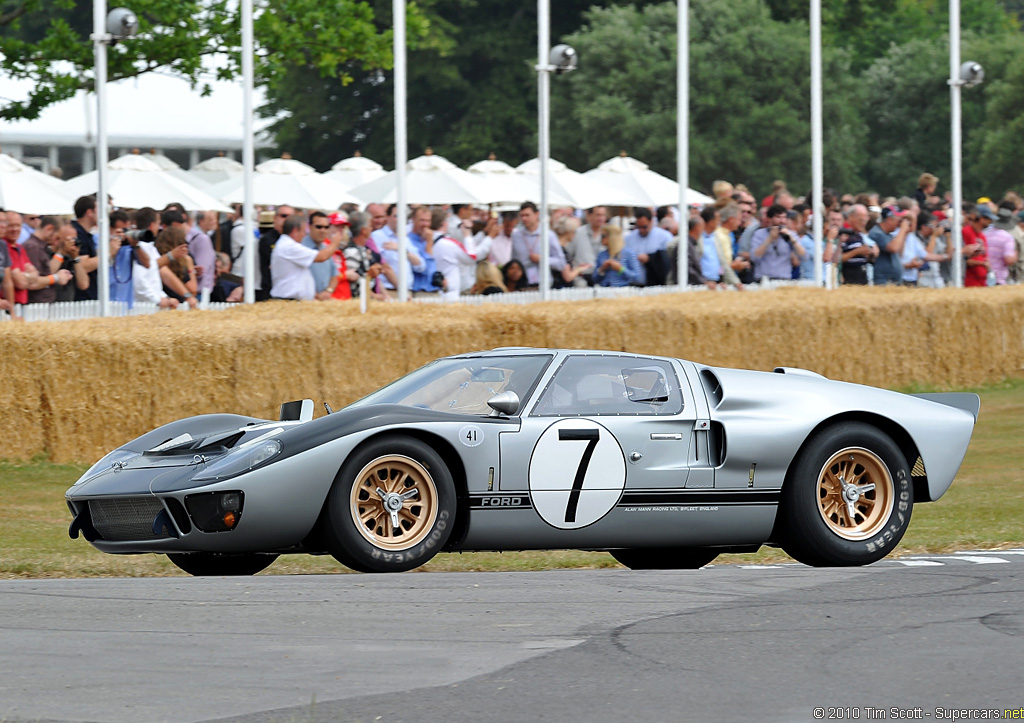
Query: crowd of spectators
x=172, y=258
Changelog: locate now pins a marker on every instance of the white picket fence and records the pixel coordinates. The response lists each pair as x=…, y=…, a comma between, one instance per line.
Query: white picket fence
x=75, y=310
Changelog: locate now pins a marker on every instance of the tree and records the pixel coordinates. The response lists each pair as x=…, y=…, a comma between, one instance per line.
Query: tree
x=471, y=90
x=48, y=43
x=908, y=115
x=749, y=95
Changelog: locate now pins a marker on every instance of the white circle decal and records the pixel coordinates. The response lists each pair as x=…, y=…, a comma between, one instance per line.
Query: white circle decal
x=577, y=473
x=471, y=435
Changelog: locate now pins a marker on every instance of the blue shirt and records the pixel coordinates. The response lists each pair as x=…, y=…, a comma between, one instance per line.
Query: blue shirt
x=888, y=267
x=657, y=239
x=806, y=268
x=421, y=274
x=631, y=272
x=913, y=248
x=323, y=271
x=390, y=256
x=710, y=264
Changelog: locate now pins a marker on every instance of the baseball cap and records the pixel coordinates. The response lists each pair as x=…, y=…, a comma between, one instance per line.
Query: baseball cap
x=338, y=218
x=890, y=211
x=985, y=212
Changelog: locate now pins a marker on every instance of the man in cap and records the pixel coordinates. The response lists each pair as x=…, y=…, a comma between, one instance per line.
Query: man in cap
x=890, y=235
x=1002, y=247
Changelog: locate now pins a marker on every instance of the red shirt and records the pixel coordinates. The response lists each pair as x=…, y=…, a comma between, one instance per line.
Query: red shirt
x=19, y=260
x=342, y=290
x=976, y=275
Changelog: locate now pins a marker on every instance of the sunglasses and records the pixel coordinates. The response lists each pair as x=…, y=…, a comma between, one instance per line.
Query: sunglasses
x=321, y=227
x=283, y=215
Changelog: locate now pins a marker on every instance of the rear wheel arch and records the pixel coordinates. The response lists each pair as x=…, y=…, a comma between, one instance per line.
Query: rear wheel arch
x=895, y=431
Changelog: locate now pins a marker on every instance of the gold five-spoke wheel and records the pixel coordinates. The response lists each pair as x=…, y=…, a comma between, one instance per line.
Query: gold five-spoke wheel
x=855, y=493
x=394, y=502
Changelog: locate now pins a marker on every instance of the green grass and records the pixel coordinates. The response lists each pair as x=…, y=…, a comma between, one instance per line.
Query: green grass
x=983, y=509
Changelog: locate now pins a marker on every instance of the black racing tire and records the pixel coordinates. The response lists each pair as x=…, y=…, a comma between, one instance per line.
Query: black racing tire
x=358, y=526
x=815, y=523
x=664, y=558
x=207, y=564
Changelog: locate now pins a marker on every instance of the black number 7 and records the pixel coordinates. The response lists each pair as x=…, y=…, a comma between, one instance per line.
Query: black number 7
x=591, y=436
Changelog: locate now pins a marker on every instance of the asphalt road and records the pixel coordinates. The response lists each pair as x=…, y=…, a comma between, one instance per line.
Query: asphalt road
x=921, y=636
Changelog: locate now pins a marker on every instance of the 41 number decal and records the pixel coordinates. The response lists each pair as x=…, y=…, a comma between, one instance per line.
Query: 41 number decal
x=577, y=473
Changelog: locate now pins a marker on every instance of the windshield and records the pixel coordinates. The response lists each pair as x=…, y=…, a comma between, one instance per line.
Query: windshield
x=462, y=385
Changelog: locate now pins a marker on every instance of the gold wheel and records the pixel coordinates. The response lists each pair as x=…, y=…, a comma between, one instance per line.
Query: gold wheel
x=394, y=502
x=855, y=493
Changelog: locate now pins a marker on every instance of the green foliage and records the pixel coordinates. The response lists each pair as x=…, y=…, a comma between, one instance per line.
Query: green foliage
x=908, y=115
x=749, y=91
x=48, y=43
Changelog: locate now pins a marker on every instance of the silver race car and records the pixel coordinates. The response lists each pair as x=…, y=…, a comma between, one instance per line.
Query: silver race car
x=662, y=462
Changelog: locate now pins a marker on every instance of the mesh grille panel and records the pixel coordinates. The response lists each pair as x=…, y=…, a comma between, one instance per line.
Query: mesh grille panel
x=918, y=470
x=126, y=518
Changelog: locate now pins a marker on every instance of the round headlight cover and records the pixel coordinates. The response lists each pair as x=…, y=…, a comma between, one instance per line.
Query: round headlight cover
x=241, y=461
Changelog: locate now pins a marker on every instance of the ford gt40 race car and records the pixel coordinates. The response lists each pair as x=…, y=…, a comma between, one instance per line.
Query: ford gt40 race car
x=662, y=462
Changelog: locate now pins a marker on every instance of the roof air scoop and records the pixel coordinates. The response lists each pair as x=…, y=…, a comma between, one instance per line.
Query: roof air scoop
x=796, y=372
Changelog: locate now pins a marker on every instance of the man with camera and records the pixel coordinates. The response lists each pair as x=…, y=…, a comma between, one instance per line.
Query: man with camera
x=890, y=235
x=290, y=261
x=42, y=248
x=773, y=247
x=856, y=249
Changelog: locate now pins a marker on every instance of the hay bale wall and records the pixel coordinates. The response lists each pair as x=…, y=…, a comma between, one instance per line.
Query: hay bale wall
x=75, y=390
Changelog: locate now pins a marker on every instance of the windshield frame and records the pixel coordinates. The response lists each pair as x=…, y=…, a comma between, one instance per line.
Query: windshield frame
x=443, y=366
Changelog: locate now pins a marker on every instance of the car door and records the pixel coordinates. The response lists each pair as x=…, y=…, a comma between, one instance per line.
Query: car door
x=603, y=423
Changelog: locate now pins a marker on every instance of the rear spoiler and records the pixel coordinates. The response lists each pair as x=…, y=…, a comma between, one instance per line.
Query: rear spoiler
x=961, y=400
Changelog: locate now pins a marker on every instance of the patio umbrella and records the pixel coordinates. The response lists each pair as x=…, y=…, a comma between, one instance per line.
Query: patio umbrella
x=355, y=171
x=569, y=188
x=166, y=164
x=285, y=181
x=215, y=171
x=134, y=181
x=656, y=190
x=429, y=180
x=26, y=190
x=510, y=187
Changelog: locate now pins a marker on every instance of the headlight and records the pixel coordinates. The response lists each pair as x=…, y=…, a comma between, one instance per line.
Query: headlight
x=240, y=461
x=115, y=457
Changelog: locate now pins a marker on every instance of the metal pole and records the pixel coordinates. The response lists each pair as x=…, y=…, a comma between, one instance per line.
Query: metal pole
x=683, y=139
x=817, y=173
x=99, y=21
x=248, y=156
x=401, y=146
x=956, y=139
x=543, y=136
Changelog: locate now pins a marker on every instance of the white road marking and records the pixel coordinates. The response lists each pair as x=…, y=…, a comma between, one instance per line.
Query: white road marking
x=989, y=552
x=969, y=558
x=917, y=563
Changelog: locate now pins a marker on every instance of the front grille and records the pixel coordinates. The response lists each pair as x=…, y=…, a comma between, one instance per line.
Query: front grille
x=126, y=518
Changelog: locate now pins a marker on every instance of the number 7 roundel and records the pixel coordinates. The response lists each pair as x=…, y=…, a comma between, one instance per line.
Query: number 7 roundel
x=577, y=473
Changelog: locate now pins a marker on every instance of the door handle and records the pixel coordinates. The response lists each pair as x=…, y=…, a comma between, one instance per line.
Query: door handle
x=660, y=436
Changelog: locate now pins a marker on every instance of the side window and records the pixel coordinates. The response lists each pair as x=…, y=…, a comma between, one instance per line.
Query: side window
x=611, y=385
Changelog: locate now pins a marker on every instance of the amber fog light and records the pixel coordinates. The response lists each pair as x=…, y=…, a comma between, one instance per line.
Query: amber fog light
x=215, y=511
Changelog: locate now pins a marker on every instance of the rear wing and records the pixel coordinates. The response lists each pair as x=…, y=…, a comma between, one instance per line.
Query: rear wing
x=960, y=400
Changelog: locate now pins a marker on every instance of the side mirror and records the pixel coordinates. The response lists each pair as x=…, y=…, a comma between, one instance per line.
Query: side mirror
x=506, y=403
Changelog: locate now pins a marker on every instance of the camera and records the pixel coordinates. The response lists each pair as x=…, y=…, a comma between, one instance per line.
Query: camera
x=122, y=23
x=562, y=58
x=437, y=279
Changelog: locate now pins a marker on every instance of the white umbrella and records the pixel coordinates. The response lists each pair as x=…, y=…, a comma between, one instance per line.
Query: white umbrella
x=285, y=181
x=166, y=164
x=134, y=181
x=569, y=188
x=26, y=190
x=657, y=190
x=429, y=180
x=510, y=187
x=217, y=170
x=355, y=171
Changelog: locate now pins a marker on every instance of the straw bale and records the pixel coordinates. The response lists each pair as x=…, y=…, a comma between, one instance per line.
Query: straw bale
x=74, y=390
